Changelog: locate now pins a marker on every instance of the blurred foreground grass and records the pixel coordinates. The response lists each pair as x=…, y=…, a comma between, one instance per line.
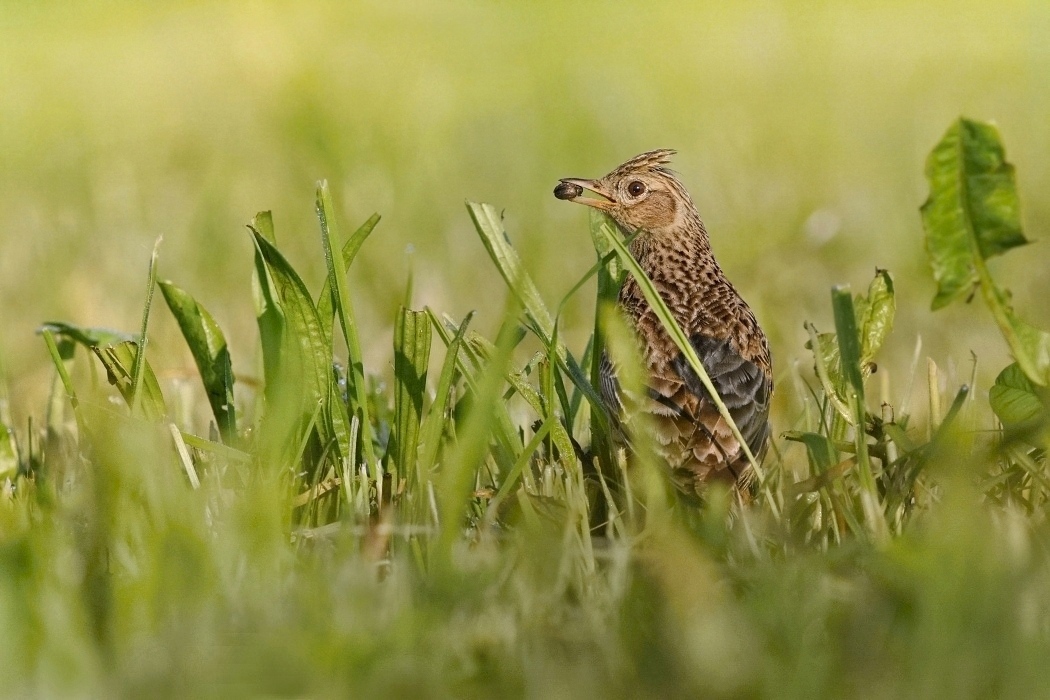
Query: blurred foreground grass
x=302, y=566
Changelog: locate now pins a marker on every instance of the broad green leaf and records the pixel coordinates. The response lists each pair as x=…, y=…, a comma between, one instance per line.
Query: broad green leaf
x=208, y=346
x=875, y=312
x=489, y=223
x=973, y=214
x=119, y=361
x=412, y=337
x=300, y=373
x=340, y=296
x=326, y=302
x=1015, y=400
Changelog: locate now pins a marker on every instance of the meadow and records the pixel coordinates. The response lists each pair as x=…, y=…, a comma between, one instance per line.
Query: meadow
x=362, y=455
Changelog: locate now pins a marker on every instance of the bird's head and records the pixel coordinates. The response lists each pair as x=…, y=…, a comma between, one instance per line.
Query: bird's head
x=640, y=194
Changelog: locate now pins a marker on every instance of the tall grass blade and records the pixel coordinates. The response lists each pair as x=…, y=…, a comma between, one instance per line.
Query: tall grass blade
x=412, y=337
x=345, y=312
x=849, y=347
x=433, y=423
x=489, y=224
x=140, y=357
x=326, y=301
x=472, y=445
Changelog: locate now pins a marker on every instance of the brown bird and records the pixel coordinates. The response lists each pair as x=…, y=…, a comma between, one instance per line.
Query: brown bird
x=673, y=248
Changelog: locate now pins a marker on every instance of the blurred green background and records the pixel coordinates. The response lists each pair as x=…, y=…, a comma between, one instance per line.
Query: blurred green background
x=802, y=128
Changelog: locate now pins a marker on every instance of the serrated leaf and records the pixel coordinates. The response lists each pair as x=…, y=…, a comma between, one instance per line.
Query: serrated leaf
x=208, y=346
x=971, y=215
x=973, y=211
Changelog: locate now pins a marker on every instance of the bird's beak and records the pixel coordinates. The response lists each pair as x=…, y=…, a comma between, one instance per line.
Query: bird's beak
x=602, y=200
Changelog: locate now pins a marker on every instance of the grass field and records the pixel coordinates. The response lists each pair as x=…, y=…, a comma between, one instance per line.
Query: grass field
x=418, y=522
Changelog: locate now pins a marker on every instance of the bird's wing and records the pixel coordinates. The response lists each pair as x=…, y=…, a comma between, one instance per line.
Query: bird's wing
x=743, y=386
x=695, y=439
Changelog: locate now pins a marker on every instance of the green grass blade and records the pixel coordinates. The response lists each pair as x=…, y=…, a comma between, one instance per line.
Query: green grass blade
x=489, y=224
x=345, y=312
x=325, y=301
x=433, y=423
x=412, y=338
x=140, y=357
x=207, y=344
x=472, y=358
x=217, y=448
x=849, y=347
x=472, y=445
x=60, y=367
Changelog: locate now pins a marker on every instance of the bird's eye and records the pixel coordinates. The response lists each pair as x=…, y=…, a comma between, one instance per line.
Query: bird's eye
x=636, y=188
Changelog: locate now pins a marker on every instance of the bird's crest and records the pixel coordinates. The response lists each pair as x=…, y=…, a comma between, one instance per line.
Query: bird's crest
x=650, y=160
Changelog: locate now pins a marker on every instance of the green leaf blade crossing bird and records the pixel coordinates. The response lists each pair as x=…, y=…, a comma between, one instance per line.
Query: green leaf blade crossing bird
x=674, y=249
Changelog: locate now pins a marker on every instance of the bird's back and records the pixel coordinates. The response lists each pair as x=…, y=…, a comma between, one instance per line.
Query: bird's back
x=689, y=431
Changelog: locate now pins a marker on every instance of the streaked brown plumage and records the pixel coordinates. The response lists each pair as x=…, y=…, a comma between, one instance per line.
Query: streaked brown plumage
x=674, y=250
